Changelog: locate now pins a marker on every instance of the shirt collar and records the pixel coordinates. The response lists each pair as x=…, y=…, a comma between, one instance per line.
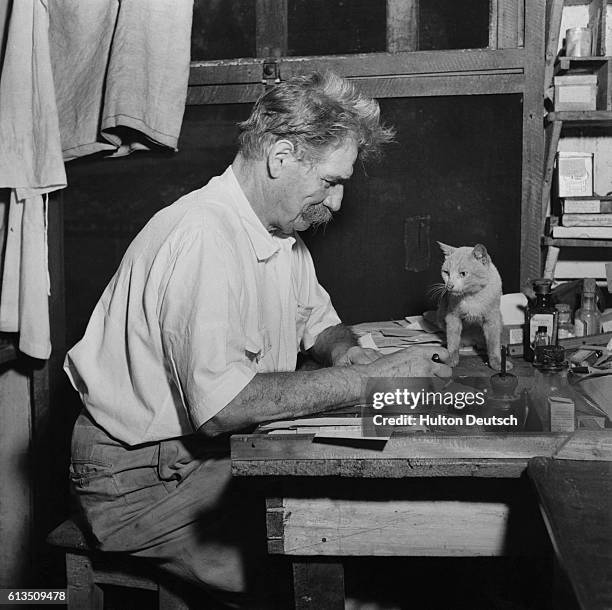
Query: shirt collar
x=264, y=243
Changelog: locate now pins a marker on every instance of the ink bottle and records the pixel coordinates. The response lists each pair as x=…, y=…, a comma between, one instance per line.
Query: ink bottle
x=541, y=314
x=540, y=341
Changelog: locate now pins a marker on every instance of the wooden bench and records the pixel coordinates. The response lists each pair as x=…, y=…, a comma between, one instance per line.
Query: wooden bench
x=87, y=570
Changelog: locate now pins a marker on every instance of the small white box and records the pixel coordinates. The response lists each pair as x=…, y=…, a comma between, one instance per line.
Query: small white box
x=574, y=174
x=576, y=92
x=562, y=414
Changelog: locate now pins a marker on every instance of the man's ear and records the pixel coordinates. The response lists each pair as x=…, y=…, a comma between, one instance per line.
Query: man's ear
x=279, y=154
x=447, y=250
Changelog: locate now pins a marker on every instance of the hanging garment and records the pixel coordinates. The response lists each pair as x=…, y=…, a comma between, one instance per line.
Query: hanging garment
x=31, y=166
x=121, y=70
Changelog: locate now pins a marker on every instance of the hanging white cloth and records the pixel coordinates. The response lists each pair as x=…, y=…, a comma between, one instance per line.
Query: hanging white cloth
x=30, y=165
x=121, y=70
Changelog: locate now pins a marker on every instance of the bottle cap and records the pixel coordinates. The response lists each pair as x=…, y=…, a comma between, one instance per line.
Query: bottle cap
x=542, y=286
x=589, y=286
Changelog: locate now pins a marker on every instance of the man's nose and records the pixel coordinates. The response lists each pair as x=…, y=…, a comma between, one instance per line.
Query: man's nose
x=334, y=200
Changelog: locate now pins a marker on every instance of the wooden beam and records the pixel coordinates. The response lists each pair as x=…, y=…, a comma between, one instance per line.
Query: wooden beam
x=553, y=28
x=271, y=28
x=406, y=528
x=223, y=94
x=508, y=23
x=241, y=71
x=533, y=143
x=552, y=135
x=433, y=86
x=402, y=457
x=493, y=18
x=402, y=25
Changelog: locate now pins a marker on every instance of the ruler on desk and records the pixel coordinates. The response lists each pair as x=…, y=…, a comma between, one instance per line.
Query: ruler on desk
x=516, y=349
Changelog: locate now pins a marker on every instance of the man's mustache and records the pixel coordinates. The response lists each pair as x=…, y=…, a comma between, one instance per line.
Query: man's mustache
x=317, y=215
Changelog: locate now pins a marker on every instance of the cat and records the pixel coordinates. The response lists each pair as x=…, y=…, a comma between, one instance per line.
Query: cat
x=469, y=306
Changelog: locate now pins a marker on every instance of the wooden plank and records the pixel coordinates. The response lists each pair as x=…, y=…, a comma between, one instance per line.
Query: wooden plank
x=83, y=592
x=520, y=41
x=223, y=94
x=389, y=469
x=318, y=585
x=433, y=86
x=507, y=24
x=533, y=143
x=582, y=117
x=402, y=25
x=577, y=243
x=238, y=71
x=401, y=528
x=431, y=455
x=576, y=502
x=271, y=28
x=493, y=19
x=553, y=30
x=587, y=445
x=551, y=135
x=379, y=87
x=414, y=446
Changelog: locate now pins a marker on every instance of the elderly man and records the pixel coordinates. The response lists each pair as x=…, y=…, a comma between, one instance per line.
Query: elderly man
x=197, y=335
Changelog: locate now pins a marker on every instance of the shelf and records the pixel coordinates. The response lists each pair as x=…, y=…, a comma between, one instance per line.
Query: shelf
x=563, y=64
x=581, y=117
x=576, y=243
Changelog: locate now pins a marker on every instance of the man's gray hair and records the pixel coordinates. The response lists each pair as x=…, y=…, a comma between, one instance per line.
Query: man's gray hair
x=314, y=112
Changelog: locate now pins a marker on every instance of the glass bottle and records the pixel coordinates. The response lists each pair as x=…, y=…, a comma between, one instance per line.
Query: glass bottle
x=540, y=340
x=552, y=397
x=588, y=319
x=542, y=313
x=565, y=328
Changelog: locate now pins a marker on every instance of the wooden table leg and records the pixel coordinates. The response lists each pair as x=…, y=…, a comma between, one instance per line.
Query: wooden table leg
x=318, y=585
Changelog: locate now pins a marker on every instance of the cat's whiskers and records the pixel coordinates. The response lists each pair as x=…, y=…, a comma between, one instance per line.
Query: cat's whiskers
x=437, y=291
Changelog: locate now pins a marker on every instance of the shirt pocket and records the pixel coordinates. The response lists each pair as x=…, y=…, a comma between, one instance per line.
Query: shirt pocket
x=302, y=315
x=257, y=346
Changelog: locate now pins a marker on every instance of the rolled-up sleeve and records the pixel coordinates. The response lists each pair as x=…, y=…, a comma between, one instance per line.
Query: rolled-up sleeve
x=201, y=327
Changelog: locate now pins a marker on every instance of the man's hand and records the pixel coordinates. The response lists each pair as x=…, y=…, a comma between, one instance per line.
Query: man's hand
x=411, y=362
x=357, y=355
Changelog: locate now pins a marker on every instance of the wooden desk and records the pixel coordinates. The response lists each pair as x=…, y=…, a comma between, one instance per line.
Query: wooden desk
x=576, y=501
x=417, y=495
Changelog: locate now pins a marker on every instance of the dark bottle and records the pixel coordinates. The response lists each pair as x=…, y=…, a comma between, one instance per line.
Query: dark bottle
x=541, y=315
x=540, y=340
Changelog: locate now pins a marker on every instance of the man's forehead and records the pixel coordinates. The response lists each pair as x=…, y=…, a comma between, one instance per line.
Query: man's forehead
x=338, y=162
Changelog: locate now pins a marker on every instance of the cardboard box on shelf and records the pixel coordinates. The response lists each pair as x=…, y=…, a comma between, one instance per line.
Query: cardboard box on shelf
x=574, y=174
x=575, y=92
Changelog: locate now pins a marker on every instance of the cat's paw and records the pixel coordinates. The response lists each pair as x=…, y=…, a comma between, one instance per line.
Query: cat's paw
x=495, y=364
x=453, y=359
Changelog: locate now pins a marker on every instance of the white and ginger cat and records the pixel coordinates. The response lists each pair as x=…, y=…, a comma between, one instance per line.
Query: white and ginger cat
x=469, y=306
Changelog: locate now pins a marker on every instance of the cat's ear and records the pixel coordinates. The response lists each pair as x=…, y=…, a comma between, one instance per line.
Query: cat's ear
x=447, y=250
x=480, y=254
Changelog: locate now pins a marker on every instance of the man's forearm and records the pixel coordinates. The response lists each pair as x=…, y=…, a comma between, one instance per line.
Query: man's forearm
x=332, y=343
x=274, y=396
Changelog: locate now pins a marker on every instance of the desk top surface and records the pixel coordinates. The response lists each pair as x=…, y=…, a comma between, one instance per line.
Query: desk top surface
x=412, y=455
x=576, y=500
